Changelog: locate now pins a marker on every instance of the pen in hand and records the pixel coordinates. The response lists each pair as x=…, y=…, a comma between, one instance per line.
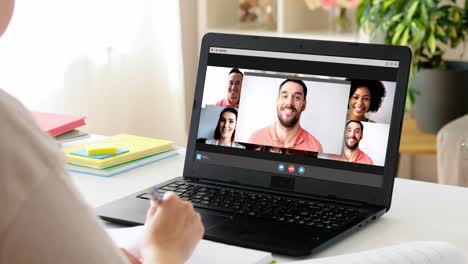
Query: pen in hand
x=155, y=197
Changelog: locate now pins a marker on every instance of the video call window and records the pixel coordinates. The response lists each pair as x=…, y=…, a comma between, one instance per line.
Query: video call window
x=332, y=118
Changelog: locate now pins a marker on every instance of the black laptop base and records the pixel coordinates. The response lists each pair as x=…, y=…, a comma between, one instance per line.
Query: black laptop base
x=222, y=225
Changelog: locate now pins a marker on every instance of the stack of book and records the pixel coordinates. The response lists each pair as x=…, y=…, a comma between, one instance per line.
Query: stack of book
x=61, y=127
x=133, y=152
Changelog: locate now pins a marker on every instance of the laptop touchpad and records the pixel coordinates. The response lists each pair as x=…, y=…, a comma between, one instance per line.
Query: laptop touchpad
x=211, y=220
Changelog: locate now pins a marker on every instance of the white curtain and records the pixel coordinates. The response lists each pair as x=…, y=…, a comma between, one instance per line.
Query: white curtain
x=119, y=63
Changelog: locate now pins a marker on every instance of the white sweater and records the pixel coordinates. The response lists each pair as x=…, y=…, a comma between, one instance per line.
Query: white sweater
x=43, y=219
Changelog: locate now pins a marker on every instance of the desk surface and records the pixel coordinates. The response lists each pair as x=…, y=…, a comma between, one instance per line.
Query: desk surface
x=420, y=211
x=414, y=141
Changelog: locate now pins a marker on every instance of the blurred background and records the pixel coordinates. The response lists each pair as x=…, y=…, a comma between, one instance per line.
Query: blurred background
x=130, y=66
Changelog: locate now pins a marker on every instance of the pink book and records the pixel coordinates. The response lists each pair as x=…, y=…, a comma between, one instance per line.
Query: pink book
x=56, y=124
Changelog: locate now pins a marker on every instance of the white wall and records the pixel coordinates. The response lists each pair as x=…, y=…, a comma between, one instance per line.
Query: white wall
x=216, y=84
x=374, y=141
x=324, y=116
x=118, y=63
x=208, y=121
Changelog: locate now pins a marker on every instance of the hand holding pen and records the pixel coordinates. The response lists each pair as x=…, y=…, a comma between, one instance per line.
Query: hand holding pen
x=155, y=197
x=174, y=228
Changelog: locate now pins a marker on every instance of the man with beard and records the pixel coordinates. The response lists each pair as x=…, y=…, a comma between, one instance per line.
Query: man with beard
x=234, y=87
x=286, y=132
x=351, y=151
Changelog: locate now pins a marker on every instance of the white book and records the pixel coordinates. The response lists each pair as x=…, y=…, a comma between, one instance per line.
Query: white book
x=114, y=170
x=416, y=252
x=71, y=135
x=206, y=252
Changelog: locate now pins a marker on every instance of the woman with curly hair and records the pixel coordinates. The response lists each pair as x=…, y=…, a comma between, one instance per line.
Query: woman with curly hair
x=364, y=96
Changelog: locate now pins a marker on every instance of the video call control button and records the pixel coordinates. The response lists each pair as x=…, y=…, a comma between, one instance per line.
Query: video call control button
x=291, y=168
x=301, y=170
x=281, y=167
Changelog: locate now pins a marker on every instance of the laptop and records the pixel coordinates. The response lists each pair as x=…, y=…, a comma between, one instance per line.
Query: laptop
x=293, y=143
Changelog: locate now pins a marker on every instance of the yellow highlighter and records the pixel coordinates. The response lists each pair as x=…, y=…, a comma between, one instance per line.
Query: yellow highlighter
x=94, y=149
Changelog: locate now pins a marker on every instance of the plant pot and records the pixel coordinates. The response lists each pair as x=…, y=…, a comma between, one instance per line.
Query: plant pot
x=440, y=96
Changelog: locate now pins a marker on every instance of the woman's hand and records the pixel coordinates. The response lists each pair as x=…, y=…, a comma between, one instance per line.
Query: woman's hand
x=173, y=231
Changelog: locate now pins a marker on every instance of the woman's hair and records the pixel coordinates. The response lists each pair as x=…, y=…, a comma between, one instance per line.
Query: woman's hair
x=376, y=89
x=217, y=134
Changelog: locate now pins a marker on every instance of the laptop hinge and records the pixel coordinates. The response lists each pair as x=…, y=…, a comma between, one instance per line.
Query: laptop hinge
x=191, y=179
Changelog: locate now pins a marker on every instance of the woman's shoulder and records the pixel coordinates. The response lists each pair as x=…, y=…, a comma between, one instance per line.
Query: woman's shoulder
x=237, y=145
x=212, y=141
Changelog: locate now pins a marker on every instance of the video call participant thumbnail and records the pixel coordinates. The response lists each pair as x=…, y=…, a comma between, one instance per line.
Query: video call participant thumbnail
x=353, y=135
x=365, y=96
x=287, y=132
x=225, y=129
x=234, y=89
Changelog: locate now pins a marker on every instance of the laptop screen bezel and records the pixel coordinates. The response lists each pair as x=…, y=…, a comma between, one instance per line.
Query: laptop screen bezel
x=324, y=188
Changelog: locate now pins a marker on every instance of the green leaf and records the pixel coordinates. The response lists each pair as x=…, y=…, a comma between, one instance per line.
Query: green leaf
x=412, y=10
x=431, y=3
x=432, y=43
x=453, y=33
x=440, y=33
x=404, y=38
x=417, y=32
x=414, y=28
x=360, y=11
x=386, y=4
x=424, y=15
x=456, y=16
x=398, y=31
x=396, y=18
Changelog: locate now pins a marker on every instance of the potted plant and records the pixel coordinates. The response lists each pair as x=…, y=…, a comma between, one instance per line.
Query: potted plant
x=438, y=88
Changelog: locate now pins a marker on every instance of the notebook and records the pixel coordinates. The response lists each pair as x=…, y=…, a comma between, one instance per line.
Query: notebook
x=206, y=252
x=138, y=147
x=57, y=124
x=114, y=170
x=415, y=252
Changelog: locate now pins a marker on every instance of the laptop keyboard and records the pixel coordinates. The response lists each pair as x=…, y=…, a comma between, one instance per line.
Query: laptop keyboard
x=277, y=208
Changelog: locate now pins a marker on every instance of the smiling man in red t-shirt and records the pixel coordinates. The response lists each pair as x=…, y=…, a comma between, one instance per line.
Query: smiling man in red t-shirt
x=286, y=132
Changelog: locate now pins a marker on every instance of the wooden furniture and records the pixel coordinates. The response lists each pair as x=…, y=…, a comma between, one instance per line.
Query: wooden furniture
x=414, y=141
x=417, y=153
x=292, y=19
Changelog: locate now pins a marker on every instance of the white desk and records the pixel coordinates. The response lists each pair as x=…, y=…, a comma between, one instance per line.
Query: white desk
x=420, y=211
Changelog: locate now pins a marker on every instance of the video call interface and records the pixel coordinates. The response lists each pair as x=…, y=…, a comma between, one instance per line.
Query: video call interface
x=270, y=105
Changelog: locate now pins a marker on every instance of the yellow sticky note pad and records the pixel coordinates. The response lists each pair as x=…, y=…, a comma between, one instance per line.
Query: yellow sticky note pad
x=94, y=149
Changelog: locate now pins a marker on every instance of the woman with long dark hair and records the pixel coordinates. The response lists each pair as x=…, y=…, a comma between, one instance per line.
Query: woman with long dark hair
x=225, y=129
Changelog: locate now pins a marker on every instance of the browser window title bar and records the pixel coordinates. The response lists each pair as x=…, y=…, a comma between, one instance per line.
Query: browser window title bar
x=305, y=57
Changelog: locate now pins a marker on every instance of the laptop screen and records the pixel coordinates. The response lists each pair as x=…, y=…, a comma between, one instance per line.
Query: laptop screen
x=289, y=114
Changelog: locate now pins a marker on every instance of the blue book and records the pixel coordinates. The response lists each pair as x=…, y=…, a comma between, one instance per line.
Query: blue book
x=84, y=153
x=114, y=170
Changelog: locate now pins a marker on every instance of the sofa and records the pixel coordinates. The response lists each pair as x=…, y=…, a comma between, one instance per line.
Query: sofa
x=452, y=153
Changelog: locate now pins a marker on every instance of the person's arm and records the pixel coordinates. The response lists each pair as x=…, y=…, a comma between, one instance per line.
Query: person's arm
x=55, y=226
x=44, y=219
